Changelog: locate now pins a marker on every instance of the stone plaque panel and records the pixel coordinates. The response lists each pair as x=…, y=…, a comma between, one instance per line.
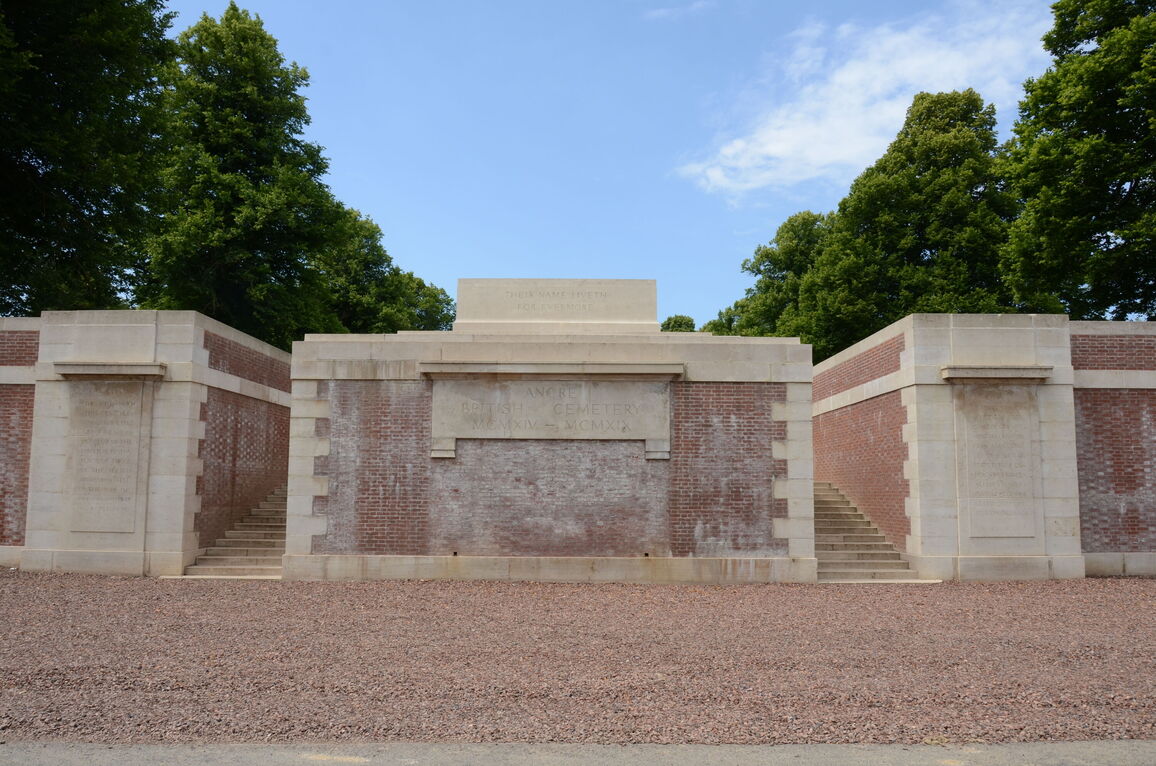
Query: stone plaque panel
x=550, y=409
x=105, y=452
x=999, y=466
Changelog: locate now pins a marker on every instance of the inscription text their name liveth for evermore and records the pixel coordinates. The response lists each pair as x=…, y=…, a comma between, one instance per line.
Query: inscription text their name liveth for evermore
x=556, y=301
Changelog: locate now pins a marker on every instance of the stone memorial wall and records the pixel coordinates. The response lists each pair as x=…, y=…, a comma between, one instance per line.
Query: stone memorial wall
x=146, y=433
x=555, y=434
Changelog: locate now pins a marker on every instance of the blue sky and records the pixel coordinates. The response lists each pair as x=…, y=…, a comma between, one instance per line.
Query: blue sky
x=651, y=139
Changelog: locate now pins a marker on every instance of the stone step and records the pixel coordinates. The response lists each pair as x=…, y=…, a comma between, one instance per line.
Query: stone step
x=844, y=554
x=238, y=561
x=237, y=550
x=259, y=525
x=255, y=534
x=273, y=513
x=246, y=571
x=874, y=578
x=247, y=542
x=828, y=565
x=866, y=537
x=844, y=529
x=864, y=547
x=838, y=515
x=278, y=521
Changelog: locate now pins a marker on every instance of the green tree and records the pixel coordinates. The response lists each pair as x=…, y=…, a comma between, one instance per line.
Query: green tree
x=1083, y=160
x=369, y=294
x=79, y=132
x=246, y=208
x=678, y=323
x=919, y=231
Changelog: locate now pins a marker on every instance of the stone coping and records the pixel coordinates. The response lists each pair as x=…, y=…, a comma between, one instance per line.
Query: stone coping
x=656, y=370
x=103, y=370
x=980, y=372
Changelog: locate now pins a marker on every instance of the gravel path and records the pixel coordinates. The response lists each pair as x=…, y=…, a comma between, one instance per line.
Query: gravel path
x=136, y=660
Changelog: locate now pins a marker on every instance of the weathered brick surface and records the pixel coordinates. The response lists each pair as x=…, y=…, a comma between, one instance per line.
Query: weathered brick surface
x=871, y=364
x=246, y=456
x=1113, y=352
x=379, y=468
x=550, y=497
x=19, y=348
x=232, y=357
x=722, y=473
x=1116, y=457
x=860, y=450
x=15, y=446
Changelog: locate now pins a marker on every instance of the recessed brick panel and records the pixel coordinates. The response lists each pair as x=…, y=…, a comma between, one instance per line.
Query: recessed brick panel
x=721, y=469
x=860, y=450
x=1114, y=352
x=873, y=363
x=246, y=456
x=1116, y=457
x=19, y=348
x=15, y=447
x=502, y=497
x=232, y=357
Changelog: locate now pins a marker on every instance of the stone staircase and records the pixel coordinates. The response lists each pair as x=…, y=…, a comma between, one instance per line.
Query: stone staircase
x=849, y=547
x=252, y=549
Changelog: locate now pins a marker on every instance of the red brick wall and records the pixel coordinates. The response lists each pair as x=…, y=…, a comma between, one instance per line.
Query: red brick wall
x=15, y=447
x=1116, y=458
x=1113, y=352
x=549, y=497
x=871, y=364
x=860, y=450
x=721, y=470
x=232, y=357
x=19, y=348
x=378, y=468
x=246, y=456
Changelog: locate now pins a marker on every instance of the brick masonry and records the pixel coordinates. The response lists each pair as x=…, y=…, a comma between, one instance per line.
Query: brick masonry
x=15, y=446
x=873, y=363
x=246, y=456
x=19, y=348
x=234, y=358
x=1116, y=448
x=860, y=449
x=550, y=497
x=1113, y=352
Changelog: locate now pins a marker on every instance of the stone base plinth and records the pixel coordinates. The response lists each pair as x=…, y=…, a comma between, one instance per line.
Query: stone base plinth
x=656, y=571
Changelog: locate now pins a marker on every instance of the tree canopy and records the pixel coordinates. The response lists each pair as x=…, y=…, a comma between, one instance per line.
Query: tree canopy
x=1083, y=160
x=920, y=230
x=80, y=128
x=142, y=171
x=678, y=323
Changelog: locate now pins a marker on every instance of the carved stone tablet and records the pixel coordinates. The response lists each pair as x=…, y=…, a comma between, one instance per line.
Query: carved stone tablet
x=551, y=409
x=999, y=467
x=104, y=454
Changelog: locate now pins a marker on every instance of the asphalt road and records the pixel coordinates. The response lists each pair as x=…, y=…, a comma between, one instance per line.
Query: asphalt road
x=1115, y=753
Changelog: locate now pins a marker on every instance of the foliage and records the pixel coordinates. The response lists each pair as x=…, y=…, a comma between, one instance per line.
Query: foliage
x=919, y=231
x=79, y=127
x=678, y=323
x=245, y=206
x=369, y=294
x=1084, y=161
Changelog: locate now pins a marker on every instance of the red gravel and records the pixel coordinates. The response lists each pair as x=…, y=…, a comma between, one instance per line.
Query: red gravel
x=136, y=660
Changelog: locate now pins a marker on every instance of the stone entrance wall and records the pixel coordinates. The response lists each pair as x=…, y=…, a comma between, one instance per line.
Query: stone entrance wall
x=556, y=435
x=135, y=435
x=998, y=447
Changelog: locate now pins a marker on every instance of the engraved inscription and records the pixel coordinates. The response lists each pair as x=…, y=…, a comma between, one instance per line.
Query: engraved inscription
x=999, y=468
x=539, y=302
x=551, y=410
x=104, y=454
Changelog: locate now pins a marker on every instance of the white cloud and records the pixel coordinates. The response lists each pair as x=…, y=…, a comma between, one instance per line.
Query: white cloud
x=678, y=11
x=849, y=89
